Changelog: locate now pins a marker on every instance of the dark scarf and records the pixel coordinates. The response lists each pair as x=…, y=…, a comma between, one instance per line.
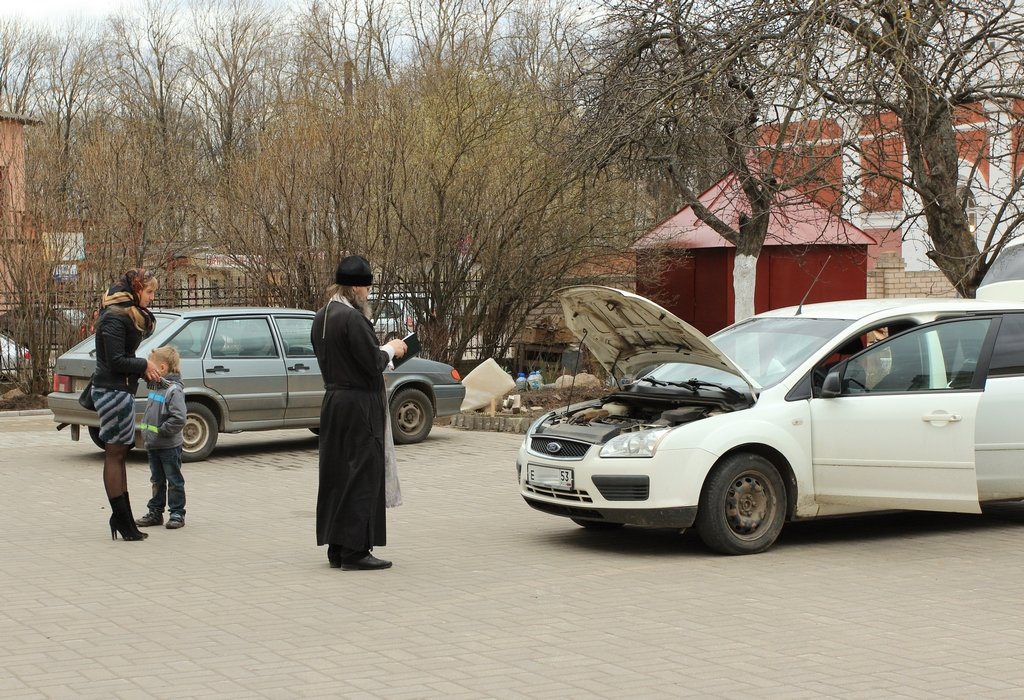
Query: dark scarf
x=120, y=298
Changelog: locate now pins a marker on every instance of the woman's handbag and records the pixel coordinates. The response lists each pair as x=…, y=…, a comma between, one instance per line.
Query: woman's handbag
x=85, y=398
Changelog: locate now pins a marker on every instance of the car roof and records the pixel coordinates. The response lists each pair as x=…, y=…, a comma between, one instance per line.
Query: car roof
x=231, y=311
x=861, y=308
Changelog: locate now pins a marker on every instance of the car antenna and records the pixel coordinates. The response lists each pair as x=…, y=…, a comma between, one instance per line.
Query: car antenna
x=575, y=369
x=800, y=308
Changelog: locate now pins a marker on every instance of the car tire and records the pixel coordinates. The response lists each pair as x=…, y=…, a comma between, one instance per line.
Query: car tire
x=200, y=432
x=412, y=416
x=94, y=435
x=596, y=524
x=743, y=505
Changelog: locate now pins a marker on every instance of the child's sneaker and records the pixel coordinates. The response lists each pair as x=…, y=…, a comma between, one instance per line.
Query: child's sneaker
x=149, y=519
x=174, y=523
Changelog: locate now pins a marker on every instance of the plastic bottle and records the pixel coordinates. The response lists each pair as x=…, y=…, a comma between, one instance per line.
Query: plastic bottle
x=535, y=380
x=521, y=381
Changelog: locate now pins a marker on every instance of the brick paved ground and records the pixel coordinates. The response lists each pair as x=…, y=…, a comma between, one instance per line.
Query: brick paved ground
x=487, y=597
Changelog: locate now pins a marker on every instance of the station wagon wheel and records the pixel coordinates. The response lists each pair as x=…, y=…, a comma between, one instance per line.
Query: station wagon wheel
x=743, y=505
x=412, y=416
x=94, y=435
x=199, y=434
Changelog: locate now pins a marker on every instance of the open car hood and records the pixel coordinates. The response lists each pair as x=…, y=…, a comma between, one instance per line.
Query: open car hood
x=627, y=332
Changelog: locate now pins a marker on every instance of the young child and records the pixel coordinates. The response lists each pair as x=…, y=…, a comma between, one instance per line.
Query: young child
x=161, y=431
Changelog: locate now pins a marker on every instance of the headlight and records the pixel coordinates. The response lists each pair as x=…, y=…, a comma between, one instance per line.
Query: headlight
x=643, y=443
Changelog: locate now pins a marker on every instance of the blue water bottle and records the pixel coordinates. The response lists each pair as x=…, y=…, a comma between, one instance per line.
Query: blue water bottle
x=535, y=380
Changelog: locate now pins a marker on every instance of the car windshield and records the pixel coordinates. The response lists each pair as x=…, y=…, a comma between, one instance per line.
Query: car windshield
x=770, y=348
x=676, y=372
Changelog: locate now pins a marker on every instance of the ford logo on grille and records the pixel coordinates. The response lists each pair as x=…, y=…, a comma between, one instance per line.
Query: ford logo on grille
x=554, y=447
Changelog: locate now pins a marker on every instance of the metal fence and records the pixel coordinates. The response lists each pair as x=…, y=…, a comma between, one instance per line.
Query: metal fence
x=46, y=330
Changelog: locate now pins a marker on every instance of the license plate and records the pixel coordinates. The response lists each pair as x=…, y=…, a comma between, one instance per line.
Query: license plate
x=550, y=477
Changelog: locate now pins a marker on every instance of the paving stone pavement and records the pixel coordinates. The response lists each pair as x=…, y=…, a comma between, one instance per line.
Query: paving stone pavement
x=487, y=598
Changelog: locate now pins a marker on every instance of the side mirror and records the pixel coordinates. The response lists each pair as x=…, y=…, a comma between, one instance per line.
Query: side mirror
x=833, y=385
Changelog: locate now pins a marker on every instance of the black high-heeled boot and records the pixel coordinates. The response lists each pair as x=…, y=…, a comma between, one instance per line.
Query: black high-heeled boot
x=121, y=520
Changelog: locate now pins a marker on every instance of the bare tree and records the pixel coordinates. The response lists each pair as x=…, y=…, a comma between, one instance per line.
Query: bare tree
x=481, y=183
x=942, y=70
x=685, y=93
x=23, y=51
x=141, y=164
x=233, y=46
x=434, y=139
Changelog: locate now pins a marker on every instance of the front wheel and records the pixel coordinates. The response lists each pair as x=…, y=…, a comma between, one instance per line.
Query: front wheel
x=743, y=505
x=412, y=416
x=199, y=435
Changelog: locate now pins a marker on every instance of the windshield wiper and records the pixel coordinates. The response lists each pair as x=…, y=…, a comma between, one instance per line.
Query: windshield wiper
x=694, y=385
x=655, y=382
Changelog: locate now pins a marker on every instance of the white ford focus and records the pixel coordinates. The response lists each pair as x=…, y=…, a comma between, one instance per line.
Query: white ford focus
x=798, y=413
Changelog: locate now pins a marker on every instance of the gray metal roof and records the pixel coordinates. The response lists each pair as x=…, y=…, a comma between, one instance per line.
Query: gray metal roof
x=20, y=118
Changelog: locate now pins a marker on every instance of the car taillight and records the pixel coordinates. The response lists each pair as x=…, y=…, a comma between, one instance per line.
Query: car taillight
x=455, y=375
x=62, y=383
x=28, y=355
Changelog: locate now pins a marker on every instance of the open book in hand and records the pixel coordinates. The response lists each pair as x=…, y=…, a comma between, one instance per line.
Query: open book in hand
x=413, y=347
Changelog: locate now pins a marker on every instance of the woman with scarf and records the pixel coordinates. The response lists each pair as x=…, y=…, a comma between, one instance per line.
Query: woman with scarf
x=124, y=321
x=358, y=479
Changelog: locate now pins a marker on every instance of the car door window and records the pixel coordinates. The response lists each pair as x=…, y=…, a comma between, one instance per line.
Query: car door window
x=190, y=340
x=933, y=358
x=243, y=338
x=1008, y=354
x=294, y=334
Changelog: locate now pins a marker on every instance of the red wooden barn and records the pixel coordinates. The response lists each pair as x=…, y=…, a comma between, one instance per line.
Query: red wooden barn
x=685, y=266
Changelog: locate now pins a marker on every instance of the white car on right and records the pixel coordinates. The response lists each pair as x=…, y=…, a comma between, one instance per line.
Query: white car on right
x=393, y=317
x=798, y=413
x=13, y=358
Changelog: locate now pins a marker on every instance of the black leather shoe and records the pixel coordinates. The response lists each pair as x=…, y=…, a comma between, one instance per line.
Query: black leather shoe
x=367, y=563
x=335, y=563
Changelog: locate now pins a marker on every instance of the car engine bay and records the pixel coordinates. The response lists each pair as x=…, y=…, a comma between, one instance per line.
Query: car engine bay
x=598, y=421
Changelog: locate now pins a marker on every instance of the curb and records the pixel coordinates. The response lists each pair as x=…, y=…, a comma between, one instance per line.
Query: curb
x=498, y=424
x=31, y=412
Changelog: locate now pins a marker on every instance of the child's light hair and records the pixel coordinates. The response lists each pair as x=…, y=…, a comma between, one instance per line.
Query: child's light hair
x=169, y=356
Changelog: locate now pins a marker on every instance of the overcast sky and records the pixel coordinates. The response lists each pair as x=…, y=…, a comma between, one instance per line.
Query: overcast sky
x=55, y=11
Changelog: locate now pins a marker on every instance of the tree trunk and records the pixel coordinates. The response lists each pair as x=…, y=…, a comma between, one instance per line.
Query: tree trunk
x=744, y=280
x=932, y=155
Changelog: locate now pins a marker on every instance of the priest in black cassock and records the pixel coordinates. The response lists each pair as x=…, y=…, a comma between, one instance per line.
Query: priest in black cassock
x=355, y=436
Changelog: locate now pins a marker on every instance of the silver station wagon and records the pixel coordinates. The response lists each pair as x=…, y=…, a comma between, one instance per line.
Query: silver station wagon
x=252, y=369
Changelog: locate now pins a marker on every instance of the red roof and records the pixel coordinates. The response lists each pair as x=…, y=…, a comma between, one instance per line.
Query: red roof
x=799, y=221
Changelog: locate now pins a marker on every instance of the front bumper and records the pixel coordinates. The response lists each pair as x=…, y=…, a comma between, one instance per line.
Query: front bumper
x=681, y=517
x=659, y=492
